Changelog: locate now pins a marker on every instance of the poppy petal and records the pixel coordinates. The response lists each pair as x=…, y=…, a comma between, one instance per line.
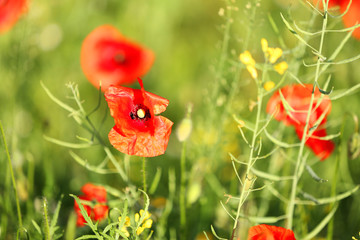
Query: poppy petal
x=291, y=104
x=100, y=212
x=109, y=58
x=352, y=16
x=321, y=148
x=94, y=192
x=144, y=145
x=10, y=11
x=267, y=232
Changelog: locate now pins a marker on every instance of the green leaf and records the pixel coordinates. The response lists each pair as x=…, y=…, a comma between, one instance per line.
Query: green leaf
x=280, y=143
x=54, y=219
x=92, y=168
x=314, y=175
x=345, y=93
x=214, y=233
x=322, y=224
x=269, y=176
x=300, y=38
x=329, y=199
x=264, y=219
x=156, y=181
x=37, y=227
x=68, y=144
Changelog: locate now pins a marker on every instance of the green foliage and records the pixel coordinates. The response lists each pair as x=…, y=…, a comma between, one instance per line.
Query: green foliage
x=238, y=168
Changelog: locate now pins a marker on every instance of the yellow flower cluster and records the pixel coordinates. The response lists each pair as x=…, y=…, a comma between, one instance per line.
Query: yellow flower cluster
x=272, y=55
x=248, y=60
x=146, y=222
x=125, y=226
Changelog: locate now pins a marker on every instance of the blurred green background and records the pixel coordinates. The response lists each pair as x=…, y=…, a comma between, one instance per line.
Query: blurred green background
x=186, y=37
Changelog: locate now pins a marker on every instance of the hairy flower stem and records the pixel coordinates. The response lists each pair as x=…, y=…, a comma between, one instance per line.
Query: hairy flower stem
x=247, y=181
x=300, y=160
x=144, y=175
x=12, y=177
x=183, y=192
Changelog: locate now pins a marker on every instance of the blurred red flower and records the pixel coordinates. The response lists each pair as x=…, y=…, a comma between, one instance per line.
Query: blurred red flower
x=298, y=101
x=268, y=232
x=110, y=58
x=10, y=11
x=352, y=16
x=137, y=130
x=96, y=195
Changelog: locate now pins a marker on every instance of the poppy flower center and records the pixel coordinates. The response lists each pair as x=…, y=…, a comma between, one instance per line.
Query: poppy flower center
x=119, y=58
x=140, y=113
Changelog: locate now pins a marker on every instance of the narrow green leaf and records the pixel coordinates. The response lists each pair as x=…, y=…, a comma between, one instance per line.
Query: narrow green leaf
x=37, y=227
x=269, y=176
x=55, y=217
x=92, y=168
x=322, y=224
x=156, y=181
x=314, y=175
x=116, y=164
x=264, y=219
x=87, y=237
x=56, y=100
x=280, y=143
x=68, y=144
x=300, y=38
x=345, y=93
x=329, y=199
x=215, y=234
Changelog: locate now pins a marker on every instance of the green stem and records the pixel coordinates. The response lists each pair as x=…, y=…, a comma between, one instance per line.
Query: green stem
x=12, y=178
x=330, y=230
x=300, y=160
x=144, y=174
x=183, y=192
x=46, y=220
x=247, y=181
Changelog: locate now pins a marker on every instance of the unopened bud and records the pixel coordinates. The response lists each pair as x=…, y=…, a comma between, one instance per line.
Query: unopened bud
x=184, y=129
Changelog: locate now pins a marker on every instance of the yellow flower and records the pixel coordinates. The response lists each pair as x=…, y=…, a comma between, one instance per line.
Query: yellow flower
x=274, y=54
x=252, y=70
x=246, y=58
x=281, y=67
x=269, y=85
x=146, y=222
x=265, y=47
x=124, y=227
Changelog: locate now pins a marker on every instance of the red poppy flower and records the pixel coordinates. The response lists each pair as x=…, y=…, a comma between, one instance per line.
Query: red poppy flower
x=10, y=11
x=352, y=16
x=267, y=232
x=97, y=195
x=137, y=130
x=109, y=58
x=298, y=100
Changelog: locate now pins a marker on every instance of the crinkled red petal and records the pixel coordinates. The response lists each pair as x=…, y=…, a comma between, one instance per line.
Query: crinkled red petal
x=144, y=144
x=110, y=58
x=10, y=11
x=267, y=232
x=123, y=100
